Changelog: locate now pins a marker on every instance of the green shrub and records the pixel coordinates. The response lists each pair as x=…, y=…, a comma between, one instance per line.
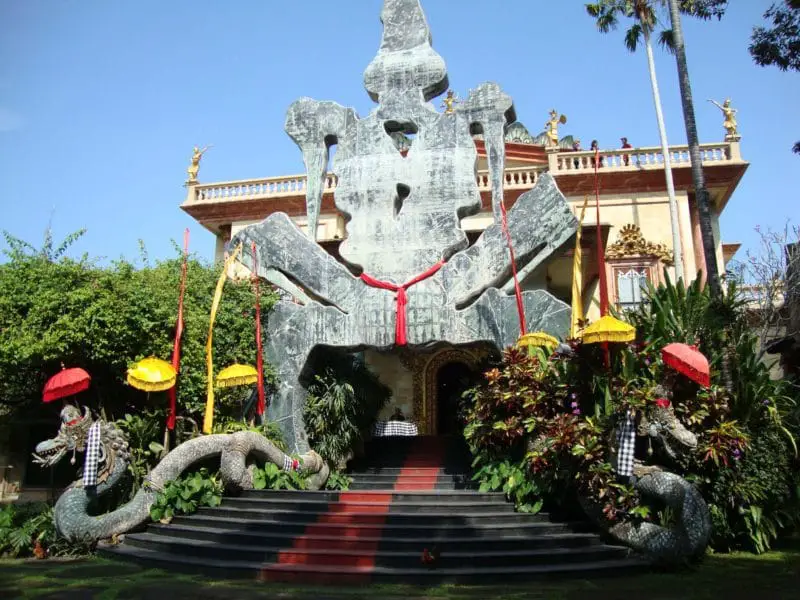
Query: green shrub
x=272, y=477
x=185, y=495
x=338, y=481
x=26, y=528
x=343, y=400
x=55, y=309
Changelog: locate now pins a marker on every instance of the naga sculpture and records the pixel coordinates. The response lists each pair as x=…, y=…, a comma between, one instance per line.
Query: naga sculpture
x=237, y=451
x=690, y=533
x=408, y=274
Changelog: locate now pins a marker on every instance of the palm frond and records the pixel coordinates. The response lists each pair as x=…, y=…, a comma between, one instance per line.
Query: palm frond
x=666, y=40
x=632, y=37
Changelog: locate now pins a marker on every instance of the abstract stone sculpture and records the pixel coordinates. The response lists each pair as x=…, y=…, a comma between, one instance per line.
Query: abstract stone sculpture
x=403, y=203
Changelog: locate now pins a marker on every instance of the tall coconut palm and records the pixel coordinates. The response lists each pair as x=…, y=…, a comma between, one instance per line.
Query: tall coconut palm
x=607, y=13
x=674, y=40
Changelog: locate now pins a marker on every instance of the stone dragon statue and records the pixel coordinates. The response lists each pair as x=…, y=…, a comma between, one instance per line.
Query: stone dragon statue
x=690, y=533
x=237, y=452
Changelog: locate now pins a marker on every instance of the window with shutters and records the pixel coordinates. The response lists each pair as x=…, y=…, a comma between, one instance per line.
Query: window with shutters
x=631, y=282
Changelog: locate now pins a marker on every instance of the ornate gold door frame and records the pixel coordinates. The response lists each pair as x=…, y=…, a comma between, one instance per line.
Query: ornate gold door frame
x=426, y=401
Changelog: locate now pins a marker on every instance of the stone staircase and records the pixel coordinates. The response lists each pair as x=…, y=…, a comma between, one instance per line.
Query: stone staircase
x=408, y=496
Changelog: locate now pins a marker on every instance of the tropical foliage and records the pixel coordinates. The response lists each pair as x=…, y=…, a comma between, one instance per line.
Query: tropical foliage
x=343, y=400
x=186, y=494
x=55, y=309
x=26, y=530
x=540, y=425
x=272, y=477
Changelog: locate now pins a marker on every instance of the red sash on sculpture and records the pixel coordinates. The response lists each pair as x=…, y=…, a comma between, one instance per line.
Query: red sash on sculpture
x=402, y=299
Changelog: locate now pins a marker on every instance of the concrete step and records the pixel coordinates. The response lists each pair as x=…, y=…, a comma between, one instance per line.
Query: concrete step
x=358, y=505
x=338, y=575
x=433, y=496
x=427, y=518
x=339, y=556
x=365, y=542
x=481, y=530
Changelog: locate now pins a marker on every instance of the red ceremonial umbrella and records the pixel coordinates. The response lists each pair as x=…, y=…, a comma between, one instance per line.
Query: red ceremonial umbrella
x=66, y=383
x=687, y=360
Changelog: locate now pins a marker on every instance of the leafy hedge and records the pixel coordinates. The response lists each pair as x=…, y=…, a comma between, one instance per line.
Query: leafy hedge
x=55, y=309
x=540, y=425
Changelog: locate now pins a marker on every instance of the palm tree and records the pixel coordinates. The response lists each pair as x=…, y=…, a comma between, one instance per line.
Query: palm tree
x=674, y=41
x=606, y=13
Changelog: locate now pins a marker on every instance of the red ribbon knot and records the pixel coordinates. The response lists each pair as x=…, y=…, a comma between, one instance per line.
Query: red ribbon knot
x=402, y=298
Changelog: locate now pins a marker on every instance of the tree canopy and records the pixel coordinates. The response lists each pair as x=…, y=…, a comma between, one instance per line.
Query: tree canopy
x=55, y=309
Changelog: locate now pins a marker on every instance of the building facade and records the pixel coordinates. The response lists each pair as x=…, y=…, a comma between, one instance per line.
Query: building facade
x=635, y=229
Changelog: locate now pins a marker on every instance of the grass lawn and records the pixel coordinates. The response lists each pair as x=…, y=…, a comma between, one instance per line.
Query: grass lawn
x=728, y=577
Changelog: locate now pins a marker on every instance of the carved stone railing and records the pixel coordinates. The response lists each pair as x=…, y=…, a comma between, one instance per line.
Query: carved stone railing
x=636, y=159
x=516, y=178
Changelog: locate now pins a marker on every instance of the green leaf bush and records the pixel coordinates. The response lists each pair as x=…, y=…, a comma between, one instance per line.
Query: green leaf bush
x=539, y=426
x=344, y=397
x=272, y=477
x=104, y=317
x=186, y=494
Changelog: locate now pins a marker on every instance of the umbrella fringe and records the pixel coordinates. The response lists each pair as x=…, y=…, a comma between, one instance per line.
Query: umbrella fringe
x=151, y=386
x=234, y=381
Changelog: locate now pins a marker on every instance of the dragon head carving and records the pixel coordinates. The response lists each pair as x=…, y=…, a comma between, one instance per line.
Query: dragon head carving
x=661, y=425
x=71, y=438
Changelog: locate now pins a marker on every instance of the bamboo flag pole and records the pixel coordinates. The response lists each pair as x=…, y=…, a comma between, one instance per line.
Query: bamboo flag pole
x=577, y=277
x=208, y=420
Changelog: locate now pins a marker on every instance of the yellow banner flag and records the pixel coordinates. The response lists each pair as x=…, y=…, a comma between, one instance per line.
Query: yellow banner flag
x=208, y=420
x=577, y=278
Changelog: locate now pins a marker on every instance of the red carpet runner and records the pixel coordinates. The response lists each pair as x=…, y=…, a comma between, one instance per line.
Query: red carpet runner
x=353, y=523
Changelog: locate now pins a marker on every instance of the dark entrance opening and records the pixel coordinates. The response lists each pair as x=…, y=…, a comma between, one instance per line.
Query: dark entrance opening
x=452, y=380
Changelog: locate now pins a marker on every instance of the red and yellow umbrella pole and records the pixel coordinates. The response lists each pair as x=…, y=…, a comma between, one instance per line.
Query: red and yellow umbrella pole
x=176, y=350
x=208, y=420
x=259, y=358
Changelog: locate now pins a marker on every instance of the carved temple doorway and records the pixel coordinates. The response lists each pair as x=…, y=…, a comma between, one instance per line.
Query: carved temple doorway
x=445, y=376
x=452, y=380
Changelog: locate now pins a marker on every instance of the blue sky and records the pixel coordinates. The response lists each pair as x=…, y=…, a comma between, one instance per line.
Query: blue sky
x=101, y=102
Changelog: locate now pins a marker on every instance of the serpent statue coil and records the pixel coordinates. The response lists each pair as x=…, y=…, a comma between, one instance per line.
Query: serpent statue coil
x=72, y=519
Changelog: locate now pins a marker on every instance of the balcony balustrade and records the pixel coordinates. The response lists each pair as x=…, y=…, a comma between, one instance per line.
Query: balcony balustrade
x=563, y=163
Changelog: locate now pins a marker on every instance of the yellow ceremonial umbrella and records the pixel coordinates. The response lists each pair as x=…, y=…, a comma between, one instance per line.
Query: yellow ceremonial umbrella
x=537, y=338
x=152, y=375
x=237, y=374
x=608, y=329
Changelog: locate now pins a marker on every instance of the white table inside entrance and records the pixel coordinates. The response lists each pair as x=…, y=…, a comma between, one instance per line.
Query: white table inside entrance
x=394, y=428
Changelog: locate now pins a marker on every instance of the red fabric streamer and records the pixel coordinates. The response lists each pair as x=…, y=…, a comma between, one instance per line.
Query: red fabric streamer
x=601, y=255
x=517, y=291
x=176, y=349
x=262, y=402
x=402, y=299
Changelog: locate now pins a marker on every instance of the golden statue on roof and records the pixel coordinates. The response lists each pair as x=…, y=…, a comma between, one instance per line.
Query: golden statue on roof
x=194, y=167
x=551, y=127
x=730, y=124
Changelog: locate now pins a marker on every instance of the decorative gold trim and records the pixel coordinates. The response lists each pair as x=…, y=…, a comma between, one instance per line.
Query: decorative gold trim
x=631, y=243
x=471, y=356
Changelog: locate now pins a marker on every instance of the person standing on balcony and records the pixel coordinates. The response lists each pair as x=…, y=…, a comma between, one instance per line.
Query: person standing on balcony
x=625, y=157
x=595, y=148
x=576, y=147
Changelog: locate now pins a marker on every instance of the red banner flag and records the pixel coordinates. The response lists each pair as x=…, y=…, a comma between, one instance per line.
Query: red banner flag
x=259, y=358
x=176, y=350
